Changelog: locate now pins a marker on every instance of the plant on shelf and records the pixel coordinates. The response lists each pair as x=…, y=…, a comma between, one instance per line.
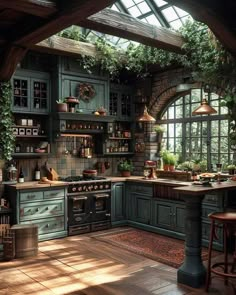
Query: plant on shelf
x=172, y=161
x=231, y=168
x=7, y=139
x=165, y=159
x=61, y=105
x=125, y=167
x=159, y=132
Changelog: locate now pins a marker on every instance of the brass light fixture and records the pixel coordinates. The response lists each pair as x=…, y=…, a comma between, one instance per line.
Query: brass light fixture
x=204, y=109
x=146, y=117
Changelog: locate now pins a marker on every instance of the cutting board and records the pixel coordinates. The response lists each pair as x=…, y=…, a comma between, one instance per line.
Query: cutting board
x=52, y=175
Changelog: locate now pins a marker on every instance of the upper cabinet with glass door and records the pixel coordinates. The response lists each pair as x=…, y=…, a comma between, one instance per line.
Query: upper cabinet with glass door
x=121, y=102
x=31, y=92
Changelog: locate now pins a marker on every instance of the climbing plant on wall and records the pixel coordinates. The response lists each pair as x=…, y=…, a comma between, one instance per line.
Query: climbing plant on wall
x=7, y=139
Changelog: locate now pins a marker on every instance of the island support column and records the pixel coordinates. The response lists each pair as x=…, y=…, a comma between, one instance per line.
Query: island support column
x=192, y=272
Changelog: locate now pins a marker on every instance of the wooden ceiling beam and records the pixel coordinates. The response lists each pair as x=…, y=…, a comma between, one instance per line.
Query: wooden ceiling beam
x=70, y=13
x=64, y=46
x=42, y=8
x=9, y=58
x=125, y=26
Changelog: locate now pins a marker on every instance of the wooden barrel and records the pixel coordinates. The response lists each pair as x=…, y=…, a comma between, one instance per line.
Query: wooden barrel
x=26, y=240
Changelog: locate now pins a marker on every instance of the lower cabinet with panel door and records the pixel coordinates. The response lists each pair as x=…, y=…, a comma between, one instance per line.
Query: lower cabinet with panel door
x=169, y=216
x=139, y=198
x=45, y=207
x=118, y=214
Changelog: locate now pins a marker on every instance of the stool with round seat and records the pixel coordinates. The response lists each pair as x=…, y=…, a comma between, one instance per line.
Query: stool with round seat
x=223, y=269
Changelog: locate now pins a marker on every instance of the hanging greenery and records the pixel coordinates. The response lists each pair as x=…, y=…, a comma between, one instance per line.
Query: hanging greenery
x=203, y=55
x=7, y=139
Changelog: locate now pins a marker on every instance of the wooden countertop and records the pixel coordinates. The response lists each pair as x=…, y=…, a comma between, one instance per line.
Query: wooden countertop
x=141, y=179
x=37, y=184
x=201, y=189
x=138, y=179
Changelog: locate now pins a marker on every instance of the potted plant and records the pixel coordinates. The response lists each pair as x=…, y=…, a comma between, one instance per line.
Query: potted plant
x=125, y=167
x=172, y=161
x=61, y=105
x=159, y=132
x=231, y=168
x=165, y=159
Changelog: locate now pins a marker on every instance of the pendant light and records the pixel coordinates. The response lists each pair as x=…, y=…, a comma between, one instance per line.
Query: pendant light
x=146, y=117
x=204, y=108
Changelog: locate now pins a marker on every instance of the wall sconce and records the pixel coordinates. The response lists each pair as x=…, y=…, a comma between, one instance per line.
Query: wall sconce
x=146, y=117
x=204, y=108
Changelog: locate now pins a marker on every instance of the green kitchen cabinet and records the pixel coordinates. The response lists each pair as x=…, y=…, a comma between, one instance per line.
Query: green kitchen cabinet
x=118, y=214
x=139, y=202
x=121, y=102
x=169, y=215
x=31, y=92
x=45, y=207
x=71, y=86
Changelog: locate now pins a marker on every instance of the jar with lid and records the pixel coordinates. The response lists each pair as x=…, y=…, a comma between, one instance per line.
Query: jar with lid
x=12, y=173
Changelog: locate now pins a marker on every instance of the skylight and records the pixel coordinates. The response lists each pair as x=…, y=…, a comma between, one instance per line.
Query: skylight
x=155, y=12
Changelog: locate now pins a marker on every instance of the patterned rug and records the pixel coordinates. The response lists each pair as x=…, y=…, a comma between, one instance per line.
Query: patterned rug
x=163, y=249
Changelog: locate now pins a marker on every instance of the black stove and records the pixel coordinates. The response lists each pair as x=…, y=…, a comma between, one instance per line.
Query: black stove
x=89, y=203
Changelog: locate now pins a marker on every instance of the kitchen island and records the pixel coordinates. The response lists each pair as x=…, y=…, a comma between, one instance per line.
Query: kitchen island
x=192, y=272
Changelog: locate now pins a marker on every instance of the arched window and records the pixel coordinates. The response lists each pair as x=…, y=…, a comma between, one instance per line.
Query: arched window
x=203, y=137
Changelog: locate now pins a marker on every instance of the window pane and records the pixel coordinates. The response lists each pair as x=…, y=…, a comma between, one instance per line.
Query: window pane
x=214, y=144
x=196, y=95
x=223, y=144
x=179, y=111
x=178, y=129
x=171, y=113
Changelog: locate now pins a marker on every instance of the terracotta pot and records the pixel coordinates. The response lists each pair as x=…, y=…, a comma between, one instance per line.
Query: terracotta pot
x=166, y=167
x=125, y=173
x=62, y=107
x=171, y=167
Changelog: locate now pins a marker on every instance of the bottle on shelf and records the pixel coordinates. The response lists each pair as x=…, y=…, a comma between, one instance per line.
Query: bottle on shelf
x=37, y=172
x=21, y=177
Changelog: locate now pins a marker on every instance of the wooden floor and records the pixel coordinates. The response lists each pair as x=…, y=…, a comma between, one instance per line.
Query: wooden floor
x=83, y=265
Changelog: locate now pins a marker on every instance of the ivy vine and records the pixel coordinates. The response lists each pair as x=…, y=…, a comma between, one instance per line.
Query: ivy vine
x=7, y=139
x=203, y=55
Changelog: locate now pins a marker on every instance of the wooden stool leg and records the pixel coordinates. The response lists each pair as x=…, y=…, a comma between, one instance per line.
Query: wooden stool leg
x=212, y=234
x=226, y=235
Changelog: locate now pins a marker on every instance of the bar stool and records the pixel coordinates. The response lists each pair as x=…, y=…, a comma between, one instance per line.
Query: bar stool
x=221, y=269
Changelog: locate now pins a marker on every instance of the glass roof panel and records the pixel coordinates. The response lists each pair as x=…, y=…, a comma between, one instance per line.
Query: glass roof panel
x=128, y=3
x=134, y=11
x=151, y=19
x=170, y=14
x=160, y=3
x=154, y=12
x=143, y=7
x=180, y=12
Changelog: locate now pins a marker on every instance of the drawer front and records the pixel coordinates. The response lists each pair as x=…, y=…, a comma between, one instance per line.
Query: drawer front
x=60, y=193
x=49, y=225
x=142, y=189
x=31, y=196
x=41, y=210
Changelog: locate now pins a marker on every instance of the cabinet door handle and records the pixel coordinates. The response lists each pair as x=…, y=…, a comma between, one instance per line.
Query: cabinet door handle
x=108, y=214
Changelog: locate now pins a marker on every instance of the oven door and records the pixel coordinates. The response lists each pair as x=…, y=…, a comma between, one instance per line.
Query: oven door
x=101, y=207
x=79, y=209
